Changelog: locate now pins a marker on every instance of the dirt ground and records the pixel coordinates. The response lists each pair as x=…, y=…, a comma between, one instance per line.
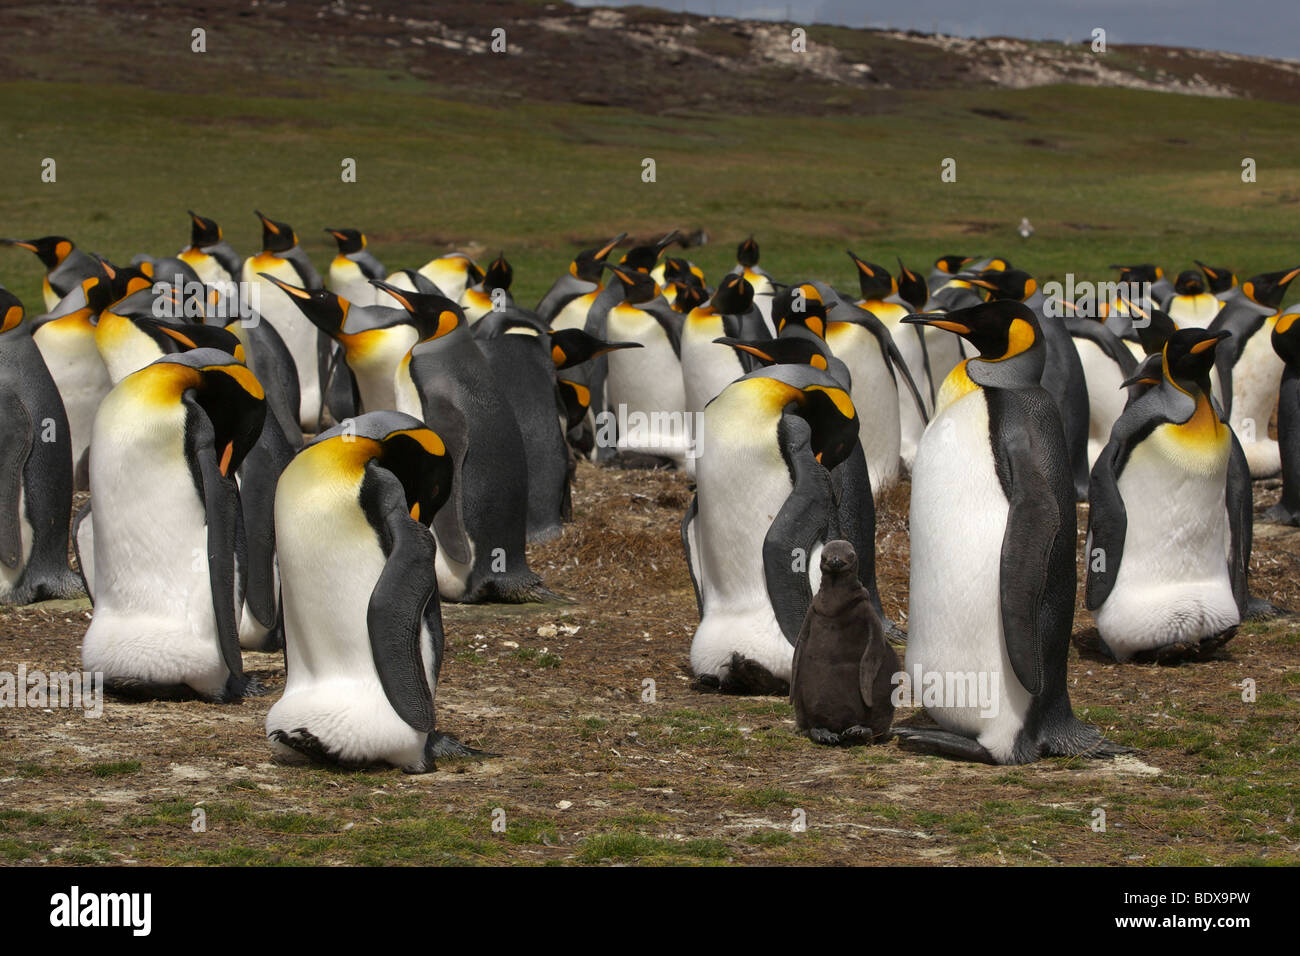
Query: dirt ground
x=590, y=770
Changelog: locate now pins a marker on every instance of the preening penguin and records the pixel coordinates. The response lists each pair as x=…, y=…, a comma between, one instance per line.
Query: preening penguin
x=1168, y=536
x=353, y=267
x=167, y=596
x=841, y=680
x=993, y=540
x=448, y=384
x=363, y=626
x=1286, y=342
x=35, y=470
x=764, y=507
x=66, y=266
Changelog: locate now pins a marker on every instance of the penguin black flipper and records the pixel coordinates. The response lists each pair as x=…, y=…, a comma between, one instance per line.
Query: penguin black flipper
x=15, y=445
x=83, y=543
x=851, y=484
x=442, y=415
x=221, y=506
x=398, y=603
x=1106, y=340
x=688, y=534
x=1287, y=510
x=1033, y=518
x=801, y=523
x=1239, y=498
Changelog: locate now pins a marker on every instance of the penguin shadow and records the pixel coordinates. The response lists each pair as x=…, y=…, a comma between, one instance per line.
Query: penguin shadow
x=1091, y=647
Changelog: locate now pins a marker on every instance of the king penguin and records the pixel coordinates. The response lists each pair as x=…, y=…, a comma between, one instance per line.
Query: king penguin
x=763, y=510
x=993, y=539
x=747, y=268
x=1221, y=280
x=166, y=527
x=35, y=469
x=1286, y=342
x=66, y=266
x=446, y=382
x=708, y=368
x=214, y=261
x=353, y=267
x=1249, y=371
x=581, y=281
x=1167, y=550
x=1192, y=305
x=492, y=292
x=363, y=626
x=283, y=258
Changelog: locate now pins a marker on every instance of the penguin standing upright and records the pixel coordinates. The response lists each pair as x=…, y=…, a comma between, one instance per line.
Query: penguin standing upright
x=1286, y=342
x=764, y=507
x=1221, y=280
x=166, y=527
x=1249, y=371
x=283, y=258
x=708, y=367
x=842, y=677
x=447, y=383
x=67, y=344
x=491, y=292
x=363, y=626
x=993, y=539
x=518, y=350
x=582, y=281
x=1192, y=305
x=1166, y=544
x=452, y=274
x=66, y=266
x=747, y=268
x=1106, y=363
x=214, y=261
x=35, y=469
x=353, y=267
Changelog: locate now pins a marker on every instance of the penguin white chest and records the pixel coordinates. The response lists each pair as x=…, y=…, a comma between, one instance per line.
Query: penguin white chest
x=957, y=523
x=1256, y=379
x=646, y=383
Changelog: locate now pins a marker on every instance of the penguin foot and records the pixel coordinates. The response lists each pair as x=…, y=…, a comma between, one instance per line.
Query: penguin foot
x=848, y=737
x=1281, y=515
x=744, y=676
x=707, y=683
x=444, y=745
x=942, y=743
x=1257, y=609
x=820, y=735
x=1105, y=749
x=1090, y=644
x=894, y=634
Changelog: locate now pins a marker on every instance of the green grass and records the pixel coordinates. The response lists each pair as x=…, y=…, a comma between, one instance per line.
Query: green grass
x=535, y=179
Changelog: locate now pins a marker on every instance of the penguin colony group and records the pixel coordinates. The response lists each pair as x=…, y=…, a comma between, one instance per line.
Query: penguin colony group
x=443, y=422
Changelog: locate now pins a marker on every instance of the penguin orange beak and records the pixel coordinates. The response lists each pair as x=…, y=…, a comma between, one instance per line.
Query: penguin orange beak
x=606, y=249
x=938, y=321
x=292, y=290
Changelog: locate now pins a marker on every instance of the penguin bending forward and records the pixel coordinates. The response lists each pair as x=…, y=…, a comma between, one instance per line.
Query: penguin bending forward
x=993, y=539
x=362, y=622
x=167, y=441
x=842, y=678
x=764, y=507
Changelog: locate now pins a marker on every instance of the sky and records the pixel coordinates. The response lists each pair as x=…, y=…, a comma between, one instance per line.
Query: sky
x=1258, y=27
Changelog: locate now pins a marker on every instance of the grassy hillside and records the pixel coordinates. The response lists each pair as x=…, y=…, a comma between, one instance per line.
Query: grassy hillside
x=1104, y=174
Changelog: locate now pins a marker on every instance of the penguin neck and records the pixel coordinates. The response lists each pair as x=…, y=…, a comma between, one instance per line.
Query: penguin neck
x=838, y=593
x=957, y=385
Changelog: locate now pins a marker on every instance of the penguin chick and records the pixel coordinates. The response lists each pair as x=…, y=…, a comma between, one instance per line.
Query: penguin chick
x=843, y=667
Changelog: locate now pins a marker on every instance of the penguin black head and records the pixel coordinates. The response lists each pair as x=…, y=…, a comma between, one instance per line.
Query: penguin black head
x=1219, y=279
x=637, y=285
x=791, y=350
x=734, y=295
x=227, y=392
x=1189, y=356
x=570, y=347
x=588, y=264
x=204, y=232
x=1003, y=330
x=645, y=258
x=800, y=305
x=1014, y=284
x=1146, y=272
x=747, y=253
x=1286, y=338
x=874, y=281
x=818, y=398
x=415, y=455
x=276, y=236
x=435, y=315
x=689, y=296
x=1268, y=288
x=11, y=311
x=1154, y=332
x=839, y=561
x=349, y=240
x=323, y=308
x=952, y=264
x=912, y=287
x=122, y=281
x=1189, y=282
x=499, y=274
x=51, y=250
